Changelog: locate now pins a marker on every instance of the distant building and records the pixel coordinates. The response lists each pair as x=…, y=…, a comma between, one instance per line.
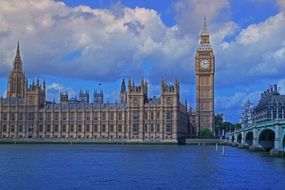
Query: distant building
x=247, y=115
x=192, y=123
x=270, y=106
x=25, y=113
x=219, y=120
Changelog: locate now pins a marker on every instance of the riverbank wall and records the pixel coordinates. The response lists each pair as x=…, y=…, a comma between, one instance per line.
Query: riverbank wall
x=86, y=141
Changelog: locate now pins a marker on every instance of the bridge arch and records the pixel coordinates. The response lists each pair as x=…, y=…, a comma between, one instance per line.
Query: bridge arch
x=249, y=138
x=239, y=138
x=266, y=139
x=233, y=139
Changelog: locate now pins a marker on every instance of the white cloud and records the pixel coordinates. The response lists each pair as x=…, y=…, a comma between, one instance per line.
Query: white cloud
x=255, y=54
x=281, y=86
x=107, y=43
x=281, y=4
x=190, y=13
x=54, y=89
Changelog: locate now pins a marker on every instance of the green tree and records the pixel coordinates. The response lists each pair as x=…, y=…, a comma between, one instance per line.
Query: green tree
x=206, y=133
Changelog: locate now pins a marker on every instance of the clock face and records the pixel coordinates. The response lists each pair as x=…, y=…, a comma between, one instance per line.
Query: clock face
x=204, y=64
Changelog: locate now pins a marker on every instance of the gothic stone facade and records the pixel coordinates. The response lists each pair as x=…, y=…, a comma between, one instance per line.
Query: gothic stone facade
x=25, y=113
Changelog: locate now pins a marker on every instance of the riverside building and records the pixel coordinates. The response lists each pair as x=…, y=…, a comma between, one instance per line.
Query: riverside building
x=26, y=114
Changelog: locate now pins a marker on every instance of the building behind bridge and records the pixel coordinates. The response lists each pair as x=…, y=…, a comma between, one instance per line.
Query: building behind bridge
x=270, y=106
x=25, y=112
x=246, y=118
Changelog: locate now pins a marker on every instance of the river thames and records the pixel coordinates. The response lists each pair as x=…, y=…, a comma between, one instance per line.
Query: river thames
x=136, y=167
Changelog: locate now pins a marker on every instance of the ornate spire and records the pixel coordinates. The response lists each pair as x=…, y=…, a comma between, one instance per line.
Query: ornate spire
x=205, y=44
x=18, y=48
x=205, y=28
x=123, y=86
x=18, y=62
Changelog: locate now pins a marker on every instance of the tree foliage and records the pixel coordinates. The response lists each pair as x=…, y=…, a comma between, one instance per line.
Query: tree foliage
x=206, y=133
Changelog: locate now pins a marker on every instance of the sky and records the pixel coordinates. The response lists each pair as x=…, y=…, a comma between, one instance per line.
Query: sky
x=77, y=45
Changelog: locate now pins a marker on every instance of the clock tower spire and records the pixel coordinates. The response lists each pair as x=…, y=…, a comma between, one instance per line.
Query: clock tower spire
x=205, y=72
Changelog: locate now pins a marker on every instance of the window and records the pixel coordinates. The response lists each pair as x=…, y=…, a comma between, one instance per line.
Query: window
x=157, y=128
x=112, y=128
x=135, y=115
x=120, y=128
x=56, y=128
x=41, y=128
x=103, y=128
x=168, y=115
x=79, y=116
x=56, y=116
x=145, y=128
x=41, y=116
x=48, y=128
x=13, y=116
x=79, y=128
x=12, y=128
x=20, y=128
x=95, y=128
x=5, y=116
x=151, y=115
x=103, y=116
x=87, y=115
x=135, y=128
x=20, y=116
x=157, y=115
x=87, y=128
x=72, y=128
x=120, y=116
x=4, y=128
x=64, y=116
x=48, y=116
x=71, y=116
x=168, y=128
x=64, y=128
x=30, y=128
x=30, y=116
x=95, y=116
x=112, y=116
x=151, y=128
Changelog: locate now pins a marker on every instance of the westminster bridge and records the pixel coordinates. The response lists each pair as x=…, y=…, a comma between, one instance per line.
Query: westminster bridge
x=265, y=136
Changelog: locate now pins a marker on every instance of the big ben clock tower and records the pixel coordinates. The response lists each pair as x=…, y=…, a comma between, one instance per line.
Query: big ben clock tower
x=205, y=73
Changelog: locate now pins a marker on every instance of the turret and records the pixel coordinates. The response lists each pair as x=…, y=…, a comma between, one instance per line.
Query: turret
x=170, y=93
x=138, y=92
x=63, y=97
x=84, y=96
x=123, y=92
x=98, y=97
x=35, y=93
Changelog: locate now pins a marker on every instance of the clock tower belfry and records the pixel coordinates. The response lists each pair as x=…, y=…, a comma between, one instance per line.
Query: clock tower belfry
x=205, y=74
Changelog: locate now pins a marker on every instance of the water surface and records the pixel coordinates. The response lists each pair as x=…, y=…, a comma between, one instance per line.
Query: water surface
x=73, y=167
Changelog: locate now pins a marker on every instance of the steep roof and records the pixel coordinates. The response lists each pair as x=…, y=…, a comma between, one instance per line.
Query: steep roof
x=274, y=99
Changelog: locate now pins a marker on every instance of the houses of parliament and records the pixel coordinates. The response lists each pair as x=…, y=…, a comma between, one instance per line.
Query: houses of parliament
x=26, y=114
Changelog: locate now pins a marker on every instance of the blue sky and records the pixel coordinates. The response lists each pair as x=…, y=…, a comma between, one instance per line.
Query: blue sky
x=76, y=45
